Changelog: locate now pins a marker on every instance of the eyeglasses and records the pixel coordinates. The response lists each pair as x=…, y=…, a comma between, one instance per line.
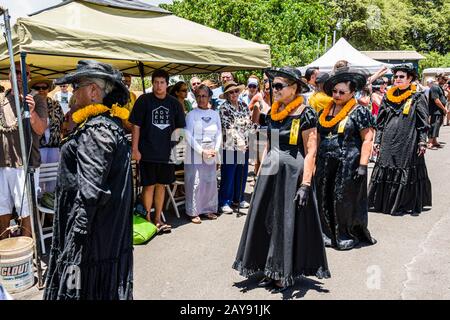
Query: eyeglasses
x=252, y=86
x=40, y=88
x=195, y=83
x=77, y=86
x=279, y=85
x=400, y=76
x=340, y=92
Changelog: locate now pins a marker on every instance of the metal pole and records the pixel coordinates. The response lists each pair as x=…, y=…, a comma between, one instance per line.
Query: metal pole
x=31, y=194
x=326, y=42
x=142, y=74
x=318, y=48
x=334, y=37
x=34, y=215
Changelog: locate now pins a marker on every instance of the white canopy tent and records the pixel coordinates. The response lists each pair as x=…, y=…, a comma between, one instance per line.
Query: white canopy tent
x=342, y=50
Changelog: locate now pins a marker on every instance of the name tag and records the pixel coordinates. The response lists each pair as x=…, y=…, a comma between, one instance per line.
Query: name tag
x=407, y=106
x=341, y=127
x=294, y=131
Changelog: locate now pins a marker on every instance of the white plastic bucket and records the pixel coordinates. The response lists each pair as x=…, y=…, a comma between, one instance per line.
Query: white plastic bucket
x=16, y=264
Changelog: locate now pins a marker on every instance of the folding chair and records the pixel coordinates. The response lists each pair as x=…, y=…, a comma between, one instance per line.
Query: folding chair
x=180, y=151
x=48, y=172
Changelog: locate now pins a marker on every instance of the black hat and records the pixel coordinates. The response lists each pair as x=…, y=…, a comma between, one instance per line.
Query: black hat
x=344, y=74
x=289, y=73
x=406, y=67
x=322, y=77
x=95, y=69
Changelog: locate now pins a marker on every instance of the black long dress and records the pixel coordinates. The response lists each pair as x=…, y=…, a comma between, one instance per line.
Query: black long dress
x=342, y=200
x=277, y=238
x=92, y=252
x=399, y=181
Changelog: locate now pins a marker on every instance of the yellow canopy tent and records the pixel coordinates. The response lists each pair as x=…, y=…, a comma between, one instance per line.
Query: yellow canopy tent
x=126, y=34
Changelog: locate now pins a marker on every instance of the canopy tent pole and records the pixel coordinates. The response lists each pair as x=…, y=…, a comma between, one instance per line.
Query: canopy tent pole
x=29, y=171
x=141, y=73
x=24, y=127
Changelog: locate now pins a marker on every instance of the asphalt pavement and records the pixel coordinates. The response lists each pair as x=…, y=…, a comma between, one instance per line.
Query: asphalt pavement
x=410, y=261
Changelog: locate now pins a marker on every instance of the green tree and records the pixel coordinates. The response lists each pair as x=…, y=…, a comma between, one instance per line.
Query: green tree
x=290, y=27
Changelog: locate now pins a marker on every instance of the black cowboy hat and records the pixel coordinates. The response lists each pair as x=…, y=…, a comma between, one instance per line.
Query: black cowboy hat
x=95, y=69
x=344, y=74
x=406, y=67
x=289, y=73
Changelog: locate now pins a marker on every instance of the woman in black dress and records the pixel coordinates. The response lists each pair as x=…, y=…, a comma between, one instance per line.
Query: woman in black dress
x=399, y=182
x=282, y=236
x=346, y=134
x=92, y=251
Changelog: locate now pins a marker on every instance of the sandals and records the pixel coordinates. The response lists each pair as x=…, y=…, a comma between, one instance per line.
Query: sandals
x=163, y=228
x=196, y=220
x=211, y=216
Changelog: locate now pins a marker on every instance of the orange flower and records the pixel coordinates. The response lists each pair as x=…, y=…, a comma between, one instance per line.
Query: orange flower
x=399, y=99
x=278, y=116
x=339, y=117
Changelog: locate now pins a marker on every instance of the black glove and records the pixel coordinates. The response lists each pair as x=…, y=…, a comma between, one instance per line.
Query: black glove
x=422, y=148
x=302, y=195
x=360, y=173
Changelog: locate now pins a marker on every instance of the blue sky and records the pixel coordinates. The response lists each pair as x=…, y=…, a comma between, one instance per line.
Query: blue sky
x=20, y=8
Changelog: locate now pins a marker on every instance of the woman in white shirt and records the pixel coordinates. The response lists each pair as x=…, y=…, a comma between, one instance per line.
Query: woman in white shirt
x=204, y=138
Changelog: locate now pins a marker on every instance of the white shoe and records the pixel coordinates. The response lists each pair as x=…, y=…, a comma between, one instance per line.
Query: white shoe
x=244, y=205
x=226, y=209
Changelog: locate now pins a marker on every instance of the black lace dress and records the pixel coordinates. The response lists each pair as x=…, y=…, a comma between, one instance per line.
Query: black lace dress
x=278, y=239
x=342, y=199
x=399, y=182
x=92, y=250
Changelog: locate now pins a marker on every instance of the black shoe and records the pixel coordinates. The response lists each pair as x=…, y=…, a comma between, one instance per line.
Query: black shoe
x=265, y=282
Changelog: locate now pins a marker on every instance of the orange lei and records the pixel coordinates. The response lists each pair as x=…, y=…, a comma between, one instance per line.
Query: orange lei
x=278, y=116
x=340, y=116
x=399, y=99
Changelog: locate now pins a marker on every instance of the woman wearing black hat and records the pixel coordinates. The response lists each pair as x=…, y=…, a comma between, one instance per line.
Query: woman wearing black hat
x=91, y=256
x=346, y=134
x=399, y=182
x=282, y=236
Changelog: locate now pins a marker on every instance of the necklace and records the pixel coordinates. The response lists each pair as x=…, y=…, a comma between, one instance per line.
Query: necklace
x=336, y=119
x=93, y=110
x=400, y=98
x=278, y=116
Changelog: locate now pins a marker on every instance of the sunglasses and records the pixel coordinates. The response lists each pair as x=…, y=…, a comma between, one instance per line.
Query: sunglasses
x=234, y=91
x=77, y=86
x=400, y=76
x=185, y=90
x=341, y=93
x=40, y=88
x=195, y=83
x=279, y=86
x=252, y=86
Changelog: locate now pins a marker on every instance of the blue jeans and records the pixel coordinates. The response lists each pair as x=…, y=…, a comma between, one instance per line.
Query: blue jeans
x=233, y=172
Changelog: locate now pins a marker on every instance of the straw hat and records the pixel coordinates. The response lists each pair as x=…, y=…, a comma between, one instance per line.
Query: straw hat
x=231, y=86
x=41, y=79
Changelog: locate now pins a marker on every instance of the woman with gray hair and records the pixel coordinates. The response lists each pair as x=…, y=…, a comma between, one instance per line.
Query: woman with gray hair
x=91, y=256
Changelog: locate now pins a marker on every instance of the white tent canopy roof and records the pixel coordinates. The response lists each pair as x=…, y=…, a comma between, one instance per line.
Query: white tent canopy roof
x=342, y=50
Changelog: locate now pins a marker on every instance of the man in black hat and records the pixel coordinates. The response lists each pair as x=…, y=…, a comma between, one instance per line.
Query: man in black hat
x=92, y=254
x=436, y=106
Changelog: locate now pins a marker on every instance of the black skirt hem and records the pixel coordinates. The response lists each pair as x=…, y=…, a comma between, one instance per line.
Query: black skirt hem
x=286, y=281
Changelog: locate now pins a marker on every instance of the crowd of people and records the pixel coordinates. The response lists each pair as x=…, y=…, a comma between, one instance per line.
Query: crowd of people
x=311, y=138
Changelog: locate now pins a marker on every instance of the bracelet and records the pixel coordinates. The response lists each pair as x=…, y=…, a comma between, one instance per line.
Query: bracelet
x=305, y=184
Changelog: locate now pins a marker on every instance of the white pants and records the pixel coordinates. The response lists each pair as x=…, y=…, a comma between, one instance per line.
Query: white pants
x=12, y=183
